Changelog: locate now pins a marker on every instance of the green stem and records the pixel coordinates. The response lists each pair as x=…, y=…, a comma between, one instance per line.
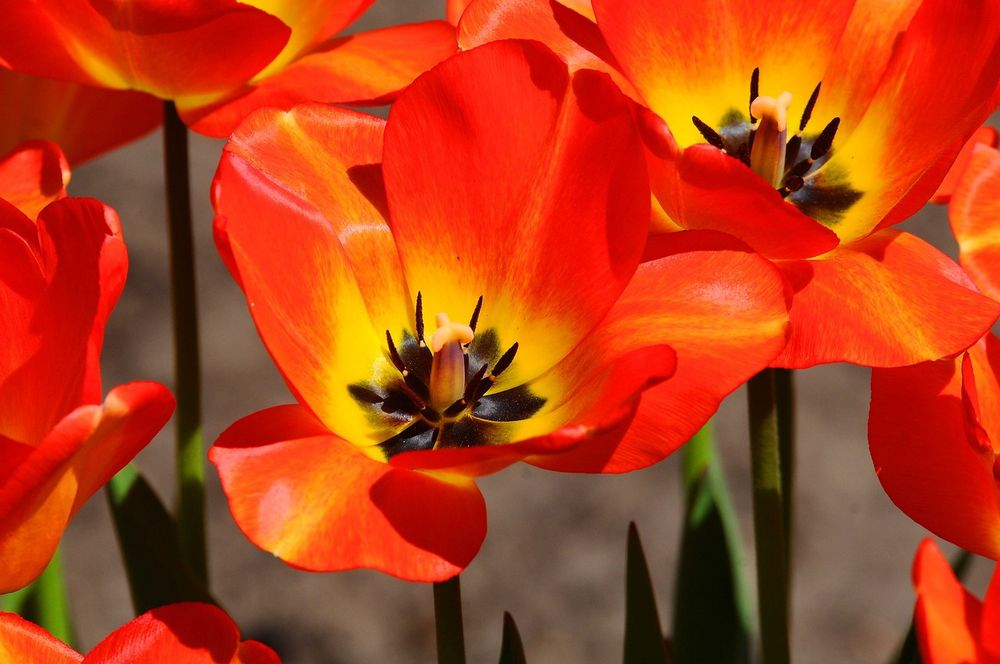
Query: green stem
x=448, y=621
x=769, y=519
x=45, y=602
x=187, y=359
x=784, y=392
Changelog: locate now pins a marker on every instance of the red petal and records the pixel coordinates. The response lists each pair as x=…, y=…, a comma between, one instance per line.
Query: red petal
x=315, y=170
x=364, y=68
x=169, y=48
x=975, y=219
x=32, y=175
x=187, y=633
x=925, y=461
x=570, y=32
x=75, y=459
x=53, y=327
x=498, y=145
x=945, y=610
x=253, y=652
x=942, y=72
x=84, y=121
x=982, y=136
x=319, y=503
x=888, y=300
x=702, y=188
x=990, y=633
x=22, y=641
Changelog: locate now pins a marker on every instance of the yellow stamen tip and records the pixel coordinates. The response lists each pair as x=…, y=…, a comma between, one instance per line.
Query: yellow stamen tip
x=448, y=332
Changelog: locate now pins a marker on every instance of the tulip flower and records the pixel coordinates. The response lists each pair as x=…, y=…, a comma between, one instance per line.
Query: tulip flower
x=60, y=275
x=187, y=633
x=934, y=428
x=953, y=626
x=220, y=59
x=460, y=295
x=807, y=130
x=84, y=121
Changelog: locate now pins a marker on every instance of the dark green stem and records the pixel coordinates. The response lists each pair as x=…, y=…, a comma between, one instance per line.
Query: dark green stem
x=784, y=392
x=769, y=519
x=187, y=358
x=45, y=602
x=448, y=621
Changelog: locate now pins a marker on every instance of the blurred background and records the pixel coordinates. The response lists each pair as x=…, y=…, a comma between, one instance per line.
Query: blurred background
x=555, y=553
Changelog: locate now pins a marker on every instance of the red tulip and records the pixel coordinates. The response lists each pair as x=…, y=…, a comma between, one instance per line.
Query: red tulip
x=176, y=634
x=220, y=59
x=828, y=171
x=934, y=428
x=59, y=279
x=460, y=295
x=953, y=626
x=84, y=121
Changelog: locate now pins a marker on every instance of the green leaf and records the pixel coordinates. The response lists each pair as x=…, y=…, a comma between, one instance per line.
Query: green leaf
x=147, y=537
x=511, y=650
x=644, y=643
x=711, y=608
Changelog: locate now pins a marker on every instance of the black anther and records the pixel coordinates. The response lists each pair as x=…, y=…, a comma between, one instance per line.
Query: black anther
x=712, y=137
x=473, y=384
x=754, y=90
x=504, y=360
x=807, y=113
x=792, y=149
x=455, y=408
x=475, y=314
x=420, y=317
x=824, y=141
x=792, y=184
x=397, y=361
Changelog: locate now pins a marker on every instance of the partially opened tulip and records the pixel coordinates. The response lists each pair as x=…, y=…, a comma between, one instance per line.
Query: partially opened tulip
x=186, y=633
x=953, y=625
x=934, y=428
x=807, y=130
x=60, y=276
x=460, y=289
x=221, y=59
x=84, y=121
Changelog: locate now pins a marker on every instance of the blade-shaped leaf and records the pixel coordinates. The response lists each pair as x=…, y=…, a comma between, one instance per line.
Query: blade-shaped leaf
x=147, y=537
x=511, y=650
x=711, y=609
x=644, y=643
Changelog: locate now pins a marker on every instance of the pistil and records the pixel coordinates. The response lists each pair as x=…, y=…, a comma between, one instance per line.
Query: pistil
x=447, y=382
x=767, y=156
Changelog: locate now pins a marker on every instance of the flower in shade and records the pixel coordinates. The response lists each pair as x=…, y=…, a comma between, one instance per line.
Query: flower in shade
x=952, y=625
x=460, y=289
x=84, y=121
x=186, y=633
x=807, y=130
x=60, y=275
x=220, y=59
x=934, y=428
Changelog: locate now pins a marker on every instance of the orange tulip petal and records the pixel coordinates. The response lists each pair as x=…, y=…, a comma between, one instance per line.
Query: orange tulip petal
x=32, y=175
x=723, y=310
x=945, y=610
x=544, y=212
x=168, y=48
x=975, y=218
x=364, y=68
x=316, y=169
x=702, y=188
x=84, y=121
x=990, y=633
x=983, y=136
x=454, y=10
x=888, y=300
x=55, y=479
x=320, y=504
x=187, y=633
x=71, y=271
x=930, y=467
x=574, y=37
x=937, y=90
x=26, y=642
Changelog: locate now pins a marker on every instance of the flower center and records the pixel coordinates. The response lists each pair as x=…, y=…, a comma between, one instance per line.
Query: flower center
x=440, y=394
x=792, y=165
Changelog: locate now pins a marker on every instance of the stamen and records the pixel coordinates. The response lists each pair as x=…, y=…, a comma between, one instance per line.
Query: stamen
x=824, y=141
x=792, y=184
x=473, y=384
x=504, y=361
x=397, y=361
x=475, y=314
x=420, y=319
x=711, y=136
x=792, y=149
x=807, y=113
x=754, y=91
x=364, y=394
x=767, y=156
